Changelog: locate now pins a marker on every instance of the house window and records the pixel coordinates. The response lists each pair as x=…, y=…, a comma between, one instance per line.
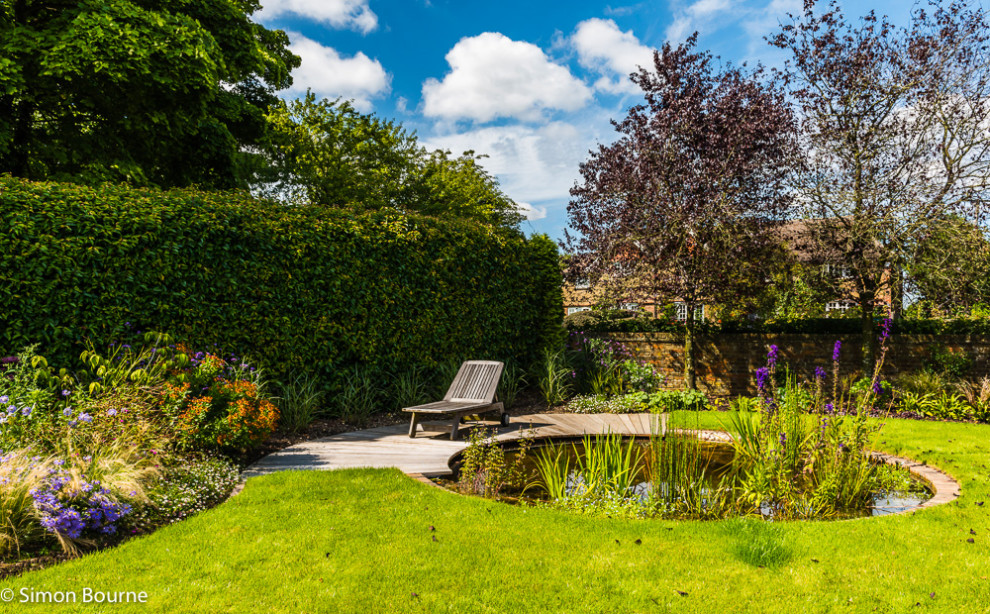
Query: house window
x=629, y=306
x=571, y=310
x=840, y=306
x=682, y=311
x=838, y=271
x=581, y=284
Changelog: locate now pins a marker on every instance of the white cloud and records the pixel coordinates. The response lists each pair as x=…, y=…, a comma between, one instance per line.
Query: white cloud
x=331, y=75
x=697, y=16
x=601, y=46
x=534, y=165
x=351, y=14
x=494, y=76
x=530, y=212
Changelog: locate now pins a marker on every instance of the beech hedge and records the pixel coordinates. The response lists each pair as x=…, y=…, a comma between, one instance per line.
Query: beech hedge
x=294, y=288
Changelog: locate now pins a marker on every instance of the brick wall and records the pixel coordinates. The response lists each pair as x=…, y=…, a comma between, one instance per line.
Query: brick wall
x=726, y=363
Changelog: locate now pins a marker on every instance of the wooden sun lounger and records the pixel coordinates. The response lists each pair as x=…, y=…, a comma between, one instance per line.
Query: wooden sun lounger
x=472, y=392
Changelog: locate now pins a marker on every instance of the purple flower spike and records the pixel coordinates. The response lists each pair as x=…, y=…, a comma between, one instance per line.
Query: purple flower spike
x=762, y=376
x=772, y=356
x=885, y=326
x=819, y=373
x=836, y=350
x=877, y=388
x=829, y=408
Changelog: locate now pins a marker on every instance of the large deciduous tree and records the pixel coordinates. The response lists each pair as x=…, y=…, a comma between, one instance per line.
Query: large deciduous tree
x=147, y=91
x=894, y=122
x=683, y=205
x=325, y=152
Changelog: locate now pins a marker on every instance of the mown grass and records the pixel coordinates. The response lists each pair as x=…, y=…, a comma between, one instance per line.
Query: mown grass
x=360, y=541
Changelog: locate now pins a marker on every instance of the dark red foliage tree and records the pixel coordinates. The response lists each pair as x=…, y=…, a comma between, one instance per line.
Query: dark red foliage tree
x=894, y=125
x=683, y=205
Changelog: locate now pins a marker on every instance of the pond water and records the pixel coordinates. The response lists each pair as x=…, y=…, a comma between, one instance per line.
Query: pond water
x=718, y=464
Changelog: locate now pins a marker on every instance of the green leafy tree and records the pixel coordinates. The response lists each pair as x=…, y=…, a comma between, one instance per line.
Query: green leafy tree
x=949, y=266
x=326, y=152
x=151, y=92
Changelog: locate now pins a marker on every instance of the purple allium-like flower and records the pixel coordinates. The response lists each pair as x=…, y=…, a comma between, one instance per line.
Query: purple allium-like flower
x=84, y=417
x=4, y=399
x=772, y=356
x=819, y=373
x=836, y=350
x=66, y=393
x=111, y=412
x=67, y=412
x=27, y=410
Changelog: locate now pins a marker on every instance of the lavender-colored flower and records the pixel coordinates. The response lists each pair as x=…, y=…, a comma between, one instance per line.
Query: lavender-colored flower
x=111, y=412
x=27, y=410
x=84, y=417
x=885, y=327
x=772, y=356
x=72, y=424
x=11, y=409
x=783, y=439
x=829, y=408
x=4, y=399
x=66, y=393
x=836, y=350
x=762, y=377
x=819, y=373
x=67, y=412
x=877, y=388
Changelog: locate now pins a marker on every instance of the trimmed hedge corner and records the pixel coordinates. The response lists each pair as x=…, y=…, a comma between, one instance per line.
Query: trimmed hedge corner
x=295, y=288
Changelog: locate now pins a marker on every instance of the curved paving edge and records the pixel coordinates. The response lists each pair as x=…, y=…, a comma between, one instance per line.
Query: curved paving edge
x=428, y=454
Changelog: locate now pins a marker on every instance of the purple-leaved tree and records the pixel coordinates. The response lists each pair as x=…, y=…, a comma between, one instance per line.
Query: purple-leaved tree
x=683, y=205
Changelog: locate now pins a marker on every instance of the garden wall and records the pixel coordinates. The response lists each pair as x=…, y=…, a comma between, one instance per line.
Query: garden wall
x=295, y=289
x=727, y=362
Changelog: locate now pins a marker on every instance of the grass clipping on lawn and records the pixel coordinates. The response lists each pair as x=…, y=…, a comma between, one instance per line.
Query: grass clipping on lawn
x=377, y=541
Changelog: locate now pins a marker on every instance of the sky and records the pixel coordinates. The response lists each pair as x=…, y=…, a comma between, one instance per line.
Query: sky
x=532, y=85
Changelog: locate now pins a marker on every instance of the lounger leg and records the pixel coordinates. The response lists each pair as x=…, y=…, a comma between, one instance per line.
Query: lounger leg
x=412, y=425
x=454, y=428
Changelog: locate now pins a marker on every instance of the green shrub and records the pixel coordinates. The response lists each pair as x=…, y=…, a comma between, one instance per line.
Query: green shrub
x=299, y=288
x=953, y=365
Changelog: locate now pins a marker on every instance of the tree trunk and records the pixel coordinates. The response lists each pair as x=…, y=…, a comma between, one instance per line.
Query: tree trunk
x=896, y=292
x=869, y=336
x=689, y=379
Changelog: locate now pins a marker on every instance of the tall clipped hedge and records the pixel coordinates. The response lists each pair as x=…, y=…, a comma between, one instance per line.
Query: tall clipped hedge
x=294, y=288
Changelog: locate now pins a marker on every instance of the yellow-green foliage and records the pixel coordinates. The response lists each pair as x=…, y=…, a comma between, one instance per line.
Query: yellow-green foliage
x=295, y=288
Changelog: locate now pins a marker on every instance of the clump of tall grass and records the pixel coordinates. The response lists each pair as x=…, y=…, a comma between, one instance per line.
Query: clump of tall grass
x=359, y=398
x=411, y=387
x=300, y=402
x=553, y=377
x=513, y=380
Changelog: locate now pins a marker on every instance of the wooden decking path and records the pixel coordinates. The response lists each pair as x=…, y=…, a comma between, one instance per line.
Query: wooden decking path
x=429, y=453
x=390, y=446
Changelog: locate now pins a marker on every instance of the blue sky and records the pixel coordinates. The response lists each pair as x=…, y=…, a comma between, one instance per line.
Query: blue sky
x=531, y=84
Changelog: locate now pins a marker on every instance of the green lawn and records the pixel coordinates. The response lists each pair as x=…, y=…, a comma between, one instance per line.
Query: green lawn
x=359, y=541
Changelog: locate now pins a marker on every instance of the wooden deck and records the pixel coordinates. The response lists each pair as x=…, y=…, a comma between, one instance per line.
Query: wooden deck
x=429, y=453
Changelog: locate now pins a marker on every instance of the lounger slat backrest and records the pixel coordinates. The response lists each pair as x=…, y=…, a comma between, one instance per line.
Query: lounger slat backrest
x=475, y=382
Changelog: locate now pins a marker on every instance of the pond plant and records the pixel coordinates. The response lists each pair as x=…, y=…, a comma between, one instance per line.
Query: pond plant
x=802, y=454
